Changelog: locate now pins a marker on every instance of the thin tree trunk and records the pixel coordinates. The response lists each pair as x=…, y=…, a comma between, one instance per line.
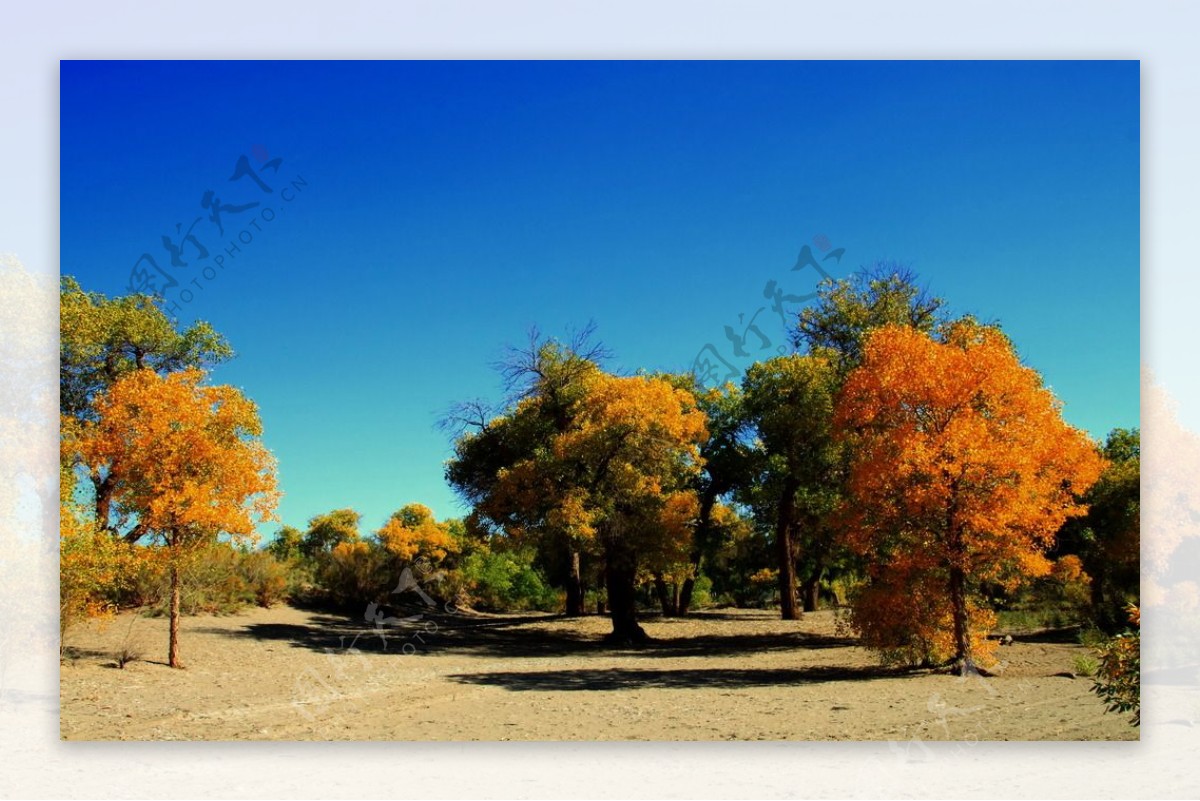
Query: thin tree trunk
x=963, y=658
x=811, y=592
x=707, y=502
x=685, y=595
x=574, y=586
x=783, y=552
x=666, y=598
x=103, y=491
x=173, y=651
x=962, y=638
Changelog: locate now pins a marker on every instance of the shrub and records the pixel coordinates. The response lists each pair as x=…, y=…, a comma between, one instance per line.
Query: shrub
x=354, y=573
x=216, y=579
x=505, y=581
x=265, y=577
x=702, y=592
x=91, y=566
x=1085, y=666
x=1118, y=677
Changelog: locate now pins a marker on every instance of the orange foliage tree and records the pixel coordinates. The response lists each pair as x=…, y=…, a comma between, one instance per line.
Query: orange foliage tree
x=962, y=471
x=186, y=463
x=412, y=533
x=612, y=474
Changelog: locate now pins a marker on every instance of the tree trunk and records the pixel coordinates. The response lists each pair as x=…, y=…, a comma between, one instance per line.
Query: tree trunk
x=962, y=637
x=173, y=650
x=811, y=592
x=574, y=586
x=707, y=501
x=103, y=491
x=620, y=573
x=783, y=552
x=685, y=596
x=666, y=597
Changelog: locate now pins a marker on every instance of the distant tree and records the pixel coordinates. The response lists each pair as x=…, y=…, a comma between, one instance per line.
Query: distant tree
x=412, y=533
x=186, y=464
x=963, y=472
x=285, y=547
x=326, y=531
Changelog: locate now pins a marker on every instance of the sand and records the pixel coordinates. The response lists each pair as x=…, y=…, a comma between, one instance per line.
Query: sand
x=292, y=674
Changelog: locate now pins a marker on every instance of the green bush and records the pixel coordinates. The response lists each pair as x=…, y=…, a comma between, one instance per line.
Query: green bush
x=1118, y=677
x=505, y=581
x=702, y=592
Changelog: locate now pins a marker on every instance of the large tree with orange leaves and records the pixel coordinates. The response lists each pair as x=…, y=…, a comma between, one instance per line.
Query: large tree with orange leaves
x=963, y=470
x=608, y=466
x=186, y=464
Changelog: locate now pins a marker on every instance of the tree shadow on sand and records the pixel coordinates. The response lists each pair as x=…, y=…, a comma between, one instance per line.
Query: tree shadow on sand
x=634, y=679
x=509, y=636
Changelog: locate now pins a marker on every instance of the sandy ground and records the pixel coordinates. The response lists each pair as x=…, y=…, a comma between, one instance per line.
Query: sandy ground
x=290, y=674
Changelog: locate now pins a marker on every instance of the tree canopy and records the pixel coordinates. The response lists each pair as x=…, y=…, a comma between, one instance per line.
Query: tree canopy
x=963, y=472
x=185, y=462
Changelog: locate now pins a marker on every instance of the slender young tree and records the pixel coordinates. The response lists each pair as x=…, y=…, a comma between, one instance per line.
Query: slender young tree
x=186, y=463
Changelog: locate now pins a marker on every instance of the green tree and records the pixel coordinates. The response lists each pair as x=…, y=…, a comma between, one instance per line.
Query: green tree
x=103, y=339
x=326, y=531
x=545, y=380
x=848, y=309
x=789, y=401
x=727, y=458
x=801, y=475
x=285, y=547
x=1108, y=538
x=607, y=470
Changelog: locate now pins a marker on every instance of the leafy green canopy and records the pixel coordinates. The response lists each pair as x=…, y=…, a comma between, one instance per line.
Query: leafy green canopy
x=104, y=338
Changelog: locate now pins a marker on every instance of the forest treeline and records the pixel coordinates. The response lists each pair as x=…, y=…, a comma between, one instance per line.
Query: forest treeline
x=901, y=463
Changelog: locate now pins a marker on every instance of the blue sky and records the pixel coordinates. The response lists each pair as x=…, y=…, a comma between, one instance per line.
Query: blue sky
x=425, y=214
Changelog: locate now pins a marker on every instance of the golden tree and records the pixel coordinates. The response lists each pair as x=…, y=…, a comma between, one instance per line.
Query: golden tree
x=963, y=471
x=412, y=533
x=186, y=463
x=605, y=471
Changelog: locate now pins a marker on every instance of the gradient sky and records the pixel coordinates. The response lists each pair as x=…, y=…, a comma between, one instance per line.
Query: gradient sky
x=426, y=214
